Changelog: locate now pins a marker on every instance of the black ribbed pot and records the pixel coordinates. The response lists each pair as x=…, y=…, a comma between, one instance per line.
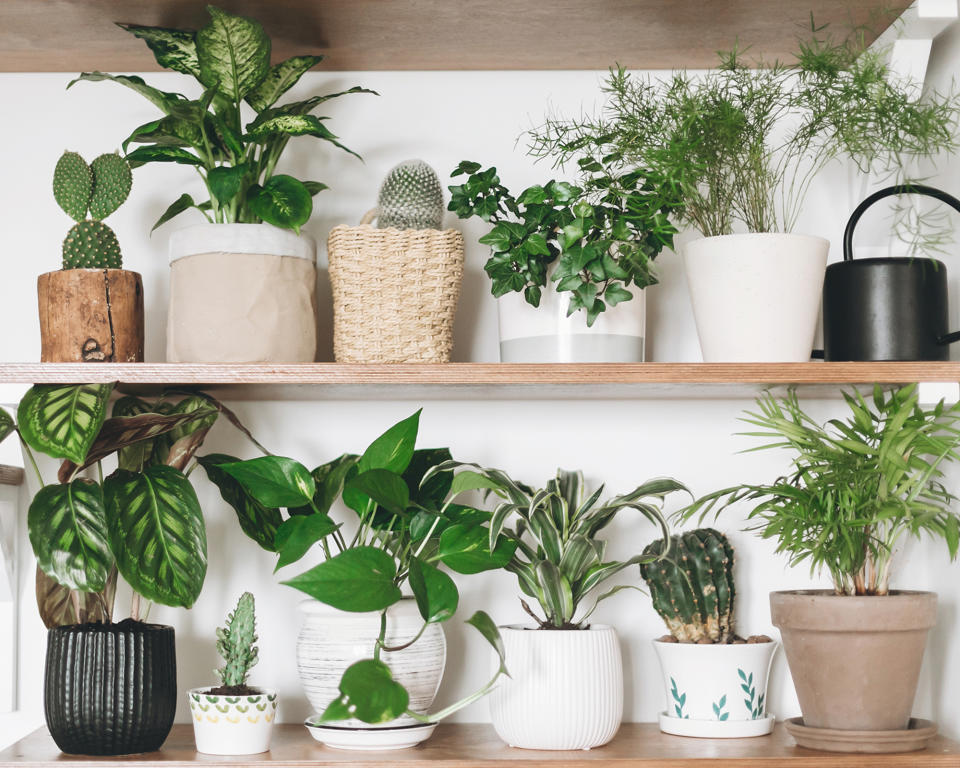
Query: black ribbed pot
x=110, y=689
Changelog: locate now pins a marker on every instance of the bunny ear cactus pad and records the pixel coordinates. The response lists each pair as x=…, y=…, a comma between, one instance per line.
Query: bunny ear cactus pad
x=112, y=180
x=411, y=197
x=73, y=185
x=91, y=245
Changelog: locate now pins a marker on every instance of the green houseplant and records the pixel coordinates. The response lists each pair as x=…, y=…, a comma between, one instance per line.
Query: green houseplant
x=402, y=532
x=560, y=561
x=857, y=487
x=218, y=273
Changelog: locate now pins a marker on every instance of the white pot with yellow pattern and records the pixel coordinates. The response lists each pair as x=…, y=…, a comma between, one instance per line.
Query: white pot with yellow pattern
x=232, y=725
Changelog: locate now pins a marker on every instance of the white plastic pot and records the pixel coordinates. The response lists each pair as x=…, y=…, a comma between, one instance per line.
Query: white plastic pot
x=756, y=297
x=545, y=334
x=331, y=640
x=715, y=691
x=565, y=689
x=232, y=725
x=242, y=293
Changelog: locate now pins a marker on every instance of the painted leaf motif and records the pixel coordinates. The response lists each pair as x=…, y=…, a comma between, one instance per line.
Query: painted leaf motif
x=369, y=693
x=63, y=421
x=282, y=201
x=57, y=608
x=359, y=579
x=173, y=49
x=233, y=54
x=280, y=79
x=68, y=532
x=157, y=534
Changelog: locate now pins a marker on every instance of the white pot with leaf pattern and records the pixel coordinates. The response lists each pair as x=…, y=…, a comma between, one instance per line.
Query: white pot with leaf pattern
x=232, y=725
x=715, y=691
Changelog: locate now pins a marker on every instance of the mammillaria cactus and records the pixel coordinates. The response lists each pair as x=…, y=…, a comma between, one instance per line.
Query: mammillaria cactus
x=99, y=188
x=235, y=643
x=692, y=587
x=411, y=197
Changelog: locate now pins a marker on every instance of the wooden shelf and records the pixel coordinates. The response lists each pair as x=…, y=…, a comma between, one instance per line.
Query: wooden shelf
x=78, y=35
x=330, y=381
x=637, y=745
x=11, y=475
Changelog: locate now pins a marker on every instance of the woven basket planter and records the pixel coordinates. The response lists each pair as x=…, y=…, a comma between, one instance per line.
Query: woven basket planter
x=394, y=293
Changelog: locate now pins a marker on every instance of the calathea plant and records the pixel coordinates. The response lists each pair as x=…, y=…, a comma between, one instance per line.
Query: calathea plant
x=403, y=531
x=558, y=557
x=235, y=158
x=603, y=235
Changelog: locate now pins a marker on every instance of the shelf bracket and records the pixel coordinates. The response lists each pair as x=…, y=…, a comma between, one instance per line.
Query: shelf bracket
x=910, y=39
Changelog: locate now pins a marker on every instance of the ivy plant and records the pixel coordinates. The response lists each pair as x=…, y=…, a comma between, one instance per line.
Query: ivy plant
x=404, y=530
x=593, y=241
x=235, y=157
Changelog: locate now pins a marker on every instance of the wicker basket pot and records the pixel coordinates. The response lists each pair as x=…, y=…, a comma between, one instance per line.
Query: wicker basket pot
x=394, y=293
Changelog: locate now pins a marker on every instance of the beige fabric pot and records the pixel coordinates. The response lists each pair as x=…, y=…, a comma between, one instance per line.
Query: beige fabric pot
x=242, y=293
x=855, y=661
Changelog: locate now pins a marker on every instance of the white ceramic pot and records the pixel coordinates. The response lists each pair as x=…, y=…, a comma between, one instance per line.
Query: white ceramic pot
x=545, y=334
x=565, y=689
x=756, y=297
x=242, y=293
x=232, y=725
x=715, y=690
x=331, y=640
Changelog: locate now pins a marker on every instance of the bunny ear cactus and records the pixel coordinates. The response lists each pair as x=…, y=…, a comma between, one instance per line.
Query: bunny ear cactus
x=235, y=643
x=99, y=188
x=691, y=585
x=411, y=197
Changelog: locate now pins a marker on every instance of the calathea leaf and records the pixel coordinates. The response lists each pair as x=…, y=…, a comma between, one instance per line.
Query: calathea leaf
x=63, y=421
x=6, y=425
x=178, y=206
x=280, y=79
x=157, y=534
x=57, y=608
x=435, y=592
x=274, y=481
x=68, y=531
x=298, y=534
x=225, y=182
x=258, y=521
x=369, y=693
x=201, y=408
x=157, y=153
x=233, y=54
x=173, y=49
x=164, y=100
x=133, y=457
x=360, y=579
x=282, y=201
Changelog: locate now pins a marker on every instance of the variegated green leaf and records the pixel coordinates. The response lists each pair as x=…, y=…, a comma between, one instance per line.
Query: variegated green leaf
x=579, y=554
x=133, y=457
x=294, y=125
x=173, y=49
x=62, y=421
x=159, y=153
x=233, y=53
x=280, y=79
x=557, y=594
x=257, y=520
x=6, y=425
x=56, y=606
x=157, y=534
x=282, y=201
x=164, y=100
x=68, y=531
x=167, y=131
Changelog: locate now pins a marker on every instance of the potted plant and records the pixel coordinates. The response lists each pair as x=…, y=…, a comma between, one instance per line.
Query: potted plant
x=245, y=289
x=371, y=651
x=233, y=718
x=564, y=257
x=565, y=689
x=110, y=687
x=744, y=142
x=857, y=487
x=715, y=681
x=92, y=309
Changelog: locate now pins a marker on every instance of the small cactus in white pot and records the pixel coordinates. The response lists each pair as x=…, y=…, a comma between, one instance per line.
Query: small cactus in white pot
x=234, y=718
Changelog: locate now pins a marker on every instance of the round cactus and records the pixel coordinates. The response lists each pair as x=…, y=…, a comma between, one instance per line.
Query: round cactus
x=411, y=197
x=91, y=245
x=112, y=180
x=72, y=185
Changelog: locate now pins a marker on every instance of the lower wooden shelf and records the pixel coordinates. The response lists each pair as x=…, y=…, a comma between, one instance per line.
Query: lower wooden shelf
x=637, y=745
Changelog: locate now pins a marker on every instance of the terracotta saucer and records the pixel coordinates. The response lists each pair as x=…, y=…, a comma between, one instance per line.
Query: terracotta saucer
x=914, y=737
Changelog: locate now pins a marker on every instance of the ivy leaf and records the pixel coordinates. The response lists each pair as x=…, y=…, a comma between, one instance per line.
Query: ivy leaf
x=616, y=293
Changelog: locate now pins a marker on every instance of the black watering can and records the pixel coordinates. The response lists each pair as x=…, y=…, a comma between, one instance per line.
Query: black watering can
x=887, y=308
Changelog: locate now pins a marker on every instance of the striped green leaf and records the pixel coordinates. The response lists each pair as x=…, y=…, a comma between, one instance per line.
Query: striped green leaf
x=233, y=54
x=257, y=520
x=280, y=79
x=62, y=421
x=68, y=531
x=157, y=533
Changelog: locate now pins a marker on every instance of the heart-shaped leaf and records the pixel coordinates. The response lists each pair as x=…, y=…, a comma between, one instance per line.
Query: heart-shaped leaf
x=393, y=450
x=225, y=182
x=358, y=580
x=282, y=201
x=298, y=534
x=369, y=693
x=383, y=486
x=274, y=481
x=466, y=549
x=258, y=521
x=436, y=594
x=63, y=421
x=233, y=53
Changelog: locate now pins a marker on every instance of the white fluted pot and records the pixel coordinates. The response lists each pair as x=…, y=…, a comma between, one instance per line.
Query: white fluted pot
x=565, y=689
x=331, y=640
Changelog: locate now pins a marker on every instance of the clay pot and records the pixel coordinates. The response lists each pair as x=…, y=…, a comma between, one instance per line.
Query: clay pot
x=855, y=661
x=91, y=315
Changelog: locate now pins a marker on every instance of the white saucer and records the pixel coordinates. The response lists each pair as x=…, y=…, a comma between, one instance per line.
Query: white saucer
x=716, y=729
x=397, y=737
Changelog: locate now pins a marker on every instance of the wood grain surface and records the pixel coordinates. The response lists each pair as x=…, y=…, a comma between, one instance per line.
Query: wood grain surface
x=11, y=475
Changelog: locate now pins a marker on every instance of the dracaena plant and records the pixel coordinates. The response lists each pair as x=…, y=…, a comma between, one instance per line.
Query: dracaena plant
x=857, y=486
x=400, y=530
x=142, y=521
x=559, y=558
x=235, y=156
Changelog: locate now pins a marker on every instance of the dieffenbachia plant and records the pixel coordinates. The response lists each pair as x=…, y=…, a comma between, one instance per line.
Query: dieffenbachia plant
x=236, y=158
x=142, y=521
x=405, y=529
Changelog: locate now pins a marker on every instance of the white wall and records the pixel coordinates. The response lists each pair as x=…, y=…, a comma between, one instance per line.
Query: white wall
x=443, y=118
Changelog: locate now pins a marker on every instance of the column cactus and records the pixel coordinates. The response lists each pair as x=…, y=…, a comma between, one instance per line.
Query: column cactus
x=692, y=587
x=411, y=197
x=235, y=643
x=98, y=188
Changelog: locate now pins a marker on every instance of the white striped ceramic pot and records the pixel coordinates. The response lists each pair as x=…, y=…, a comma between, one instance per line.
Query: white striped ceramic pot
x=331, y=640
x=565, y=689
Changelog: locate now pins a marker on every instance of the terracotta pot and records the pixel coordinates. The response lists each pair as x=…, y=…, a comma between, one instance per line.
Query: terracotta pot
x=91, y=315
x=855, y=661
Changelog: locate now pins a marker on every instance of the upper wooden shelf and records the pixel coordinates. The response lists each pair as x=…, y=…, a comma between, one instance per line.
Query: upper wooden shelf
x=637, y=745
x=78, y=35
x=327, y=381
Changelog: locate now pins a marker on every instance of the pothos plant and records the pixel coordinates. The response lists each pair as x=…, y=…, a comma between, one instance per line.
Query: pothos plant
x=558, y=556
x=603, y=234
x=235, y=157
x=143, y=521
x=404, y=529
